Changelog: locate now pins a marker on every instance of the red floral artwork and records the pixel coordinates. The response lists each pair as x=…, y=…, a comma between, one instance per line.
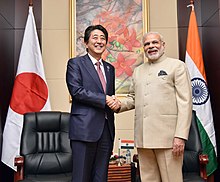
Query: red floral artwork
x=123, y=21
x=123, y=66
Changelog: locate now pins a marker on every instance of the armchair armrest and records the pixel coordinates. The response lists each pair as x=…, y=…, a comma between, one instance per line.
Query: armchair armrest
x=203, y=159
x=19, y=163
x=135, y=159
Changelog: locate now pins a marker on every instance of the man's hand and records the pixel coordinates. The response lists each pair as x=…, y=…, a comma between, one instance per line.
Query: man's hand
x=113, y=102
x=178, y=147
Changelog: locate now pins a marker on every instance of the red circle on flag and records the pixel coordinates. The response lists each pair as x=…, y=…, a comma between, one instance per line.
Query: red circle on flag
x=30, y=93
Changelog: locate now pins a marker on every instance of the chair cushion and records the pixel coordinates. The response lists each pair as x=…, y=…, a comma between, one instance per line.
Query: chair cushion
x=191, y=162
x=192, y=177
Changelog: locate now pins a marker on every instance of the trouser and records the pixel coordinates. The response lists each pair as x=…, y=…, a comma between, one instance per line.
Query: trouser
x=159, y=165
x=91, y=159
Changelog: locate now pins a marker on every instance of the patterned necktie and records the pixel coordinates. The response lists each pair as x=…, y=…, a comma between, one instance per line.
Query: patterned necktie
x=101, y=76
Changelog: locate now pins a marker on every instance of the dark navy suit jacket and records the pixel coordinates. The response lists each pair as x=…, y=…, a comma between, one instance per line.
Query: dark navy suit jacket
x=89, y=109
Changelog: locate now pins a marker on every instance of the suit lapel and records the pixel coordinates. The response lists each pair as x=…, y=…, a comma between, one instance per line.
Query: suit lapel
x=92, y=71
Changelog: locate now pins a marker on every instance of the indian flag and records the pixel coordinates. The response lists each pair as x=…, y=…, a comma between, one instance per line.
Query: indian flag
x=126, y=144
x=201, y=97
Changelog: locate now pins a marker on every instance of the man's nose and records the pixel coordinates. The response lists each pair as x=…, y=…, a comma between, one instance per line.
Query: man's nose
x=151, y=45
x=99, y=40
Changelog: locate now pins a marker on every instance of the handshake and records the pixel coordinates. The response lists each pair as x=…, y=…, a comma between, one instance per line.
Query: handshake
x=113, y=102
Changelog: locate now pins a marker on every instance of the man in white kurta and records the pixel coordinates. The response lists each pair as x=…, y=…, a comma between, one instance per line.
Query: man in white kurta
x=161, y=94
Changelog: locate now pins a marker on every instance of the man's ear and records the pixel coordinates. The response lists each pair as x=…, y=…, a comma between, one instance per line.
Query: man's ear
x=85, y=44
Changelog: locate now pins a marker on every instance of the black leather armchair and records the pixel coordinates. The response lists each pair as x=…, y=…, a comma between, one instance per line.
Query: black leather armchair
x=194, y=162
x=45, y=148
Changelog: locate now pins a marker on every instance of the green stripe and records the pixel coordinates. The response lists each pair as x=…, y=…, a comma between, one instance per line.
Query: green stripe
x=208, y=148
x=127, y=147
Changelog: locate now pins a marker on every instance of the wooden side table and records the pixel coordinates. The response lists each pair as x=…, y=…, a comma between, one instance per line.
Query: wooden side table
x=119, y=173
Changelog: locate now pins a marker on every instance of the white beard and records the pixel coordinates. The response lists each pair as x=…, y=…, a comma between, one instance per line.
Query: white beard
x=155, y=56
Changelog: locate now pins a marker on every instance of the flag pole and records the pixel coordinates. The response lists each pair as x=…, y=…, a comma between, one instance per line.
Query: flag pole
x=30, y=2
x=192, y=2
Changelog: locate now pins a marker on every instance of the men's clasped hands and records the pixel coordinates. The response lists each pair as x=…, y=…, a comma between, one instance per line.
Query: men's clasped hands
x=113, y=102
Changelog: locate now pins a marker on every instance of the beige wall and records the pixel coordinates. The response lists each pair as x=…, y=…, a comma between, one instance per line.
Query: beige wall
x=55, y=48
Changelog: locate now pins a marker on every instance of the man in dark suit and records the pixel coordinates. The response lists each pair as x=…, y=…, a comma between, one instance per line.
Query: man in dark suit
x=92, y=127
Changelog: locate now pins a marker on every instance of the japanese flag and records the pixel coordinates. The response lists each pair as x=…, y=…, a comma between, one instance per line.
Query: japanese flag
x=30, y=91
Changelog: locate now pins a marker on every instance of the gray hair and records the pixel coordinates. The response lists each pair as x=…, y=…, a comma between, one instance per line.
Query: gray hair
x=155, y=33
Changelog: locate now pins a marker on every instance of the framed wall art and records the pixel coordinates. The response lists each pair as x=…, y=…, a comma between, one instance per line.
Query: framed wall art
x=125, y=20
